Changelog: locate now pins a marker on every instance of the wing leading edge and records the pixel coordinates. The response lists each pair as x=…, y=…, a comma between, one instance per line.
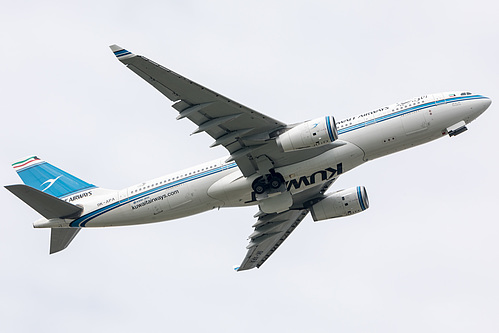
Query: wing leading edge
x=247, y=134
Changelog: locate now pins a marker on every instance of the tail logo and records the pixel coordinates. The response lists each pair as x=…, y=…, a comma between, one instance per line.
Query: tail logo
x=50, y=182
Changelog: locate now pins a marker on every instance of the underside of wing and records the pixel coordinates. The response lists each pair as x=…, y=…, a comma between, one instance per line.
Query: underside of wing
x=245, y=133
x=222, y=118
x=271, y=230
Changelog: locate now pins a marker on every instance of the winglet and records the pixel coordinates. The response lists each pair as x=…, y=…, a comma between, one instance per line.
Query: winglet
x=120, y=52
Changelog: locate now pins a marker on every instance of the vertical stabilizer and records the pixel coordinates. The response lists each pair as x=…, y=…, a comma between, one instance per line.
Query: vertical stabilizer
x=49, y=179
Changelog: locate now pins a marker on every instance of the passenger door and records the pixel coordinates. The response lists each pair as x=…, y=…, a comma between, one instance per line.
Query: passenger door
x=415, y=122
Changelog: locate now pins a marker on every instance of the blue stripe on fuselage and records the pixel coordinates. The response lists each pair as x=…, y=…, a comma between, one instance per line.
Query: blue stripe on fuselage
x=409, y=110
x=82, y=221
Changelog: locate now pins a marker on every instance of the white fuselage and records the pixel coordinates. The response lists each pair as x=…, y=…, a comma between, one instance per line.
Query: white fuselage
x=219, y=184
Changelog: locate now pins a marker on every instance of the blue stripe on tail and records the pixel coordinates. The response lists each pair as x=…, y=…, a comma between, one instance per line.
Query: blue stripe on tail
x=51, y=180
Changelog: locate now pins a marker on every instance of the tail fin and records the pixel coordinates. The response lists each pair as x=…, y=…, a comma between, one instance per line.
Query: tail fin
x=49, y=179
x=45, y=184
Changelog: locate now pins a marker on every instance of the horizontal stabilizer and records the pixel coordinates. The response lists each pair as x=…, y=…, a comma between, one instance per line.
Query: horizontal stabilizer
x=61, y=237
x=47, y=205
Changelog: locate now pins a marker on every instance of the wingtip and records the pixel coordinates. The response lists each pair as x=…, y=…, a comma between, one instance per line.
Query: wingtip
x=120, y=52
x=115, y=47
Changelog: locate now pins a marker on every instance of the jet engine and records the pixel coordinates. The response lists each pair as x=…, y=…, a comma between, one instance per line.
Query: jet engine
x=341, y=203
x=310, y=134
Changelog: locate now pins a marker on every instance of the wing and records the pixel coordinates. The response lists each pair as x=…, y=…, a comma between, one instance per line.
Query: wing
x=248, y=135
x=245, y=133
x=223, y=119
x=271, y=230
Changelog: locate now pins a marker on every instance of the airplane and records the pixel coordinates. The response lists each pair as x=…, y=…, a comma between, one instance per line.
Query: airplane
x=284, y=169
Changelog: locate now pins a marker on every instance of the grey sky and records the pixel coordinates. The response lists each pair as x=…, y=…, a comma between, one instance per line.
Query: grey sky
x=422, y=258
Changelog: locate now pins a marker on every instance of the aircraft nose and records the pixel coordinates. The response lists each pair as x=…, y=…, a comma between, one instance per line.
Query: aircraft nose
x=482, y=105
x=487, y=102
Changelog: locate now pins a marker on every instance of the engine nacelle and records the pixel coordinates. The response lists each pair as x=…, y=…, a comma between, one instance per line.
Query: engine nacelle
x=310, y=134
x=342, y=203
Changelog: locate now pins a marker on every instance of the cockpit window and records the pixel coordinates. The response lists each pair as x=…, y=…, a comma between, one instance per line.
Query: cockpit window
x=463, y=94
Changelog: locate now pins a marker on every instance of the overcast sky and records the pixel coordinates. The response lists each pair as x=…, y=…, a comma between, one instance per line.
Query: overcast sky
x=423, y=258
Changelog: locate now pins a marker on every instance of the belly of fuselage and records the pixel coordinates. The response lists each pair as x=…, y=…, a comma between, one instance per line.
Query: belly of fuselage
x=234, y=190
